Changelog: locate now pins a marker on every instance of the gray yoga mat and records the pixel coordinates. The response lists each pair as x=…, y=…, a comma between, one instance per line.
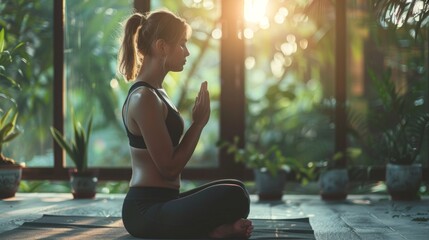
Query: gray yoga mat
x=86, y=227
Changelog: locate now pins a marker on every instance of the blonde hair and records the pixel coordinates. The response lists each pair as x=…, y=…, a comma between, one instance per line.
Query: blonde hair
x=141, y=30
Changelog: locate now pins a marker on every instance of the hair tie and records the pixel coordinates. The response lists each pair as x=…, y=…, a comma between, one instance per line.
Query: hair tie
x=142, y=20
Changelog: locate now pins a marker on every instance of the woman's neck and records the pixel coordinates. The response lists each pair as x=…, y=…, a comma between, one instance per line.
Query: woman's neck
x=152, y=72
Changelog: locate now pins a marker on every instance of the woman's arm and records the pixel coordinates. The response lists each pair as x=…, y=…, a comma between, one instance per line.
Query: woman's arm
x=170, y=161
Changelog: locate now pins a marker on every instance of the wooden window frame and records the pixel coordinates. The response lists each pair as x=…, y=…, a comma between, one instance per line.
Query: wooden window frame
x=231, y=104
x=232, y=99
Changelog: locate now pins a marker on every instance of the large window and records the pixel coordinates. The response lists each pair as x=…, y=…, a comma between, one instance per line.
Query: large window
x=271, y=63
x=291, y=77
x=289, y=80
x=92, y=34
x=385, y=51
x=83, y=80
x=29, y=22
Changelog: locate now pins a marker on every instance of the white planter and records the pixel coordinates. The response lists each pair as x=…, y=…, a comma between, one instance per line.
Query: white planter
x=10, y=177
x=403, y=181
x=269, y=187
x=83, y=184
x=333, y=184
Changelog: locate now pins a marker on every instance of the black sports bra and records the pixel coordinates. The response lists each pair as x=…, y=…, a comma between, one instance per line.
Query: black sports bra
x=173, y=121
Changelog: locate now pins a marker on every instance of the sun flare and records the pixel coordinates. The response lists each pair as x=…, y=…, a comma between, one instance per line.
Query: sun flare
x=255, y=10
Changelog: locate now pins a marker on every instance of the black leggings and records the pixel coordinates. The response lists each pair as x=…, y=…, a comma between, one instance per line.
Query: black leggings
x=154, y=212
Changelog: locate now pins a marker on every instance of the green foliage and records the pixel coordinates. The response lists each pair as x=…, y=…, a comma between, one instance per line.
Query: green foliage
x=8, y=127
x=403, y=143
x=272, y=160
x=290, y=104
x=27, y=186
x=113, y=187
x=77, y=148
x=7, y=58
x=337, y=159
x=394, y=14
x=28, y=35
x=33, y=186
x=8, y=131
x=395, y=128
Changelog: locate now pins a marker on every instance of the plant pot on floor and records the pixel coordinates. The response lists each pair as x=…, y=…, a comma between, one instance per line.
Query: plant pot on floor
x=333, y=184
x=269, y=188
x=403, y=181
x=10, y=177
x=83, y=184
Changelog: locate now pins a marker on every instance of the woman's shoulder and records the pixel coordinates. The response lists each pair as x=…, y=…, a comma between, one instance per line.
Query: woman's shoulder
x=146, y=96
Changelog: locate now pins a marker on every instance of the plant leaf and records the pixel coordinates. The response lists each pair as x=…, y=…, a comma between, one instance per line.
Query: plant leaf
x=60, y=139
x=1, y=40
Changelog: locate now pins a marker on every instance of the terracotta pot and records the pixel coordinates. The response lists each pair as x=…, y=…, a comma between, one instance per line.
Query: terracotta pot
x=10, y=177
x=403, y=181
x=269, y=188
x=333, y=184
x=83, y=184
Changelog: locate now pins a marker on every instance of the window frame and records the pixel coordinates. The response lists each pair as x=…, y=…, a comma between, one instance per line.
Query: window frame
x=232, y=98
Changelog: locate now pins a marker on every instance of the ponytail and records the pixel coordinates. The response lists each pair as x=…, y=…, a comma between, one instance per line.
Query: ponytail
x=129, y=57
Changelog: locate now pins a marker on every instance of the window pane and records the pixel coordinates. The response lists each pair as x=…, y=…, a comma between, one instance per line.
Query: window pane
x=203, y=65
x=289, y=80
x=92, y=33
x=30, y=22
x=382, y=53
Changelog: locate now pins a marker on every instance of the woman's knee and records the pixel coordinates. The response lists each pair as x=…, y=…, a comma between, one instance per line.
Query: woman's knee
x=236, y=197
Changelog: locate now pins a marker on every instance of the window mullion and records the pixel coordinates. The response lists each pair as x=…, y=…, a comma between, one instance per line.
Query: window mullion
x=232, y=97
x=59, y=81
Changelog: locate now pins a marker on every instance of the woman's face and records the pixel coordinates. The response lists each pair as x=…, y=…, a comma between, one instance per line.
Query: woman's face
x=177, y=54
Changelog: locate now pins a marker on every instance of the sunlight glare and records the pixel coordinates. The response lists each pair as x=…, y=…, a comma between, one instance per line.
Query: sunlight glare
x=114, y=84
x=279, y=19
x=217, y=33
x=281, y=15
x=277, y=65
x=208, y=5
x=264, y=23
x=303, y=43
x=288, y=48
x=250, y=62
x=291, y=38
x=248, y=33
x=255, y=10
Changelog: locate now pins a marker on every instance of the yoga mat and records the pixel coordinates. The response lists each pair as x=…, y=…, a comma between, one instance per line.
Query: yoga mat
x=85, y=227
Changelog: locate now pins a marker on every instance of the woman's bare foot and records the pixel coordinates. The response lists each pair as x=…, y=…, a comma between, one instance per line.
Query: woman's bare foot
x=240, y=228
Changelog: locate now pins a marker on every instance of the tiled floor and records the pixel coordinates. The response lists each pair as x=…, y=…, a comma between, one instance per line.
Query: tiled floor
x=359, y=217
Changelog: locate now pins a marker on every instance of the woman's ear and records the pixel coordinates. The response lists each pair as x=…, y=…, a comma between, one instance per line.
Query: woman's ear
x=161, y=46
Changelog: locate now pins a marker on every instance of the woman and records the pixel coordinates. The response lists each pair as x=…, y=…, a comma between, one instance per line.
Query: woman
x=153, y=45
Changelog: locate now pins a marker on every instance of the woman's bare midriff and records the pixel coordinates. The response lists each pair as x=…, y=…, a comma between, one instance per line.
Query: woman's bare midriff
x=146, y=174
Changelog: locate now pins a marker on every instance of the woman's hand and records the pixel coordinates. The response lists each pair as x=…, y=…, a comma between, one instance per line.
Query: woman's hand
x=201, y=110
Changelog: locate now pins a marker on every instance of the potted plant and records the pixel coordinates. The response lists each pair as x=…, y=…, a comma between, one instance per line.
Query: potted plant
x=334, y=177
x=402, y=128
x=393, y=132
x=402, y=146
x=270, y=168
x=10, y=171
x=83, y=180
